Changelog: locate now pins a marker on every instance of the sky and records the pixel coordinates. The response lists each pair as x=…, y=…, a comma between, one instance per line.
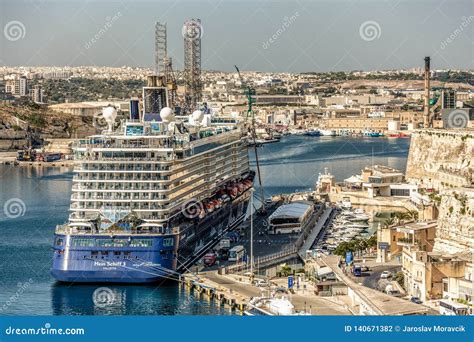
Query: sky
x=263, y=35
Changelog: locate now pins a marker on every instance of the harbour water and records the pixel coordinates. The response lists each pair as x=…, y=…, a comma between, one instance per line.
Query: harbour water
x=294, y=163
x=291, y=165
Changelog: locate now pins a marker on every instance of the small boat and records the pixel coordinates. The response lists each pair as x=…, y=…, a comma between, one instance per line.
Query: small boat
x=314, y=133
x=398, y=135
x=373, y=134
x=359, y=217
x=328, y=132
x=261, y=306
x=358, y=226
x=346, y=203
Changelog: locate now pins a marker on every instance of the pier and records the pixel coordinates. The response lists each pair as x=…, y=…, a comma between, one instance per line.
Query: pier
x=236, y=291
x=323, y=221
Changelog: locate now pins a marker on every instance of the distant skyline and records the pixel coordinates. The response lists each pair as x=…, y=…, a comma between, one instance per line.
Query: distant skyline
x=272, y=36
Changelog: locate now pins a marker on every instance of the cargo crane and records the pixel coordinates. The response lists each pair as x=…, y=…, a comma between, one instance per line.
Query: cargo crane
x=249, y=91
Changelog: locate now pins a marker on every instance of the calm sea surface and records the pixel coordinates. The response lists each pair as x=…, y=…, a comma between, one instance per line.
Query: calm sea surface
x=26, y=286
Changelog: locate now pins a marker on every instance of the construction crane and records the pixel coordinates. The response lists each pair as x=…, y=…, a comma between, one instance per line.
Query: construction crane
x=249, y=91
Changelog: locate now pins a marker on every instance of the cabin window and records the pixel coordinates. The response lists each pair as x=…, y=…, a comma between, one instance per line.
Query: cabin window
x=83, y=242
x=111, y=243
x=141, y=243
x=168, y=242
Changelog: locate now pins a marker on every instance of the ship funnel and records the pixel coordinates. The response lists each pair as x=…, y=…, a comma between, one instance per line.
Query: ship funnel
x=426, y=112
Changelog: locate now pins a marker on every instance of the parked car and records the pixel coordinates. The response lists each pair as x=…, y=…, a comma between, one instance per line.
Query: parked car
x=394, y=293
x=416, y=300
x=281, y=289
x=357, y=271
x=210, y=259
x=260, y=283
x=385, y=275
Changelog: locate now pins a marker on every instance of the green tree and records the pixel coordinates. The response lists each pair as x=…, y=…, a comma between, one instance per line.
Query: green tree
x=389, y=222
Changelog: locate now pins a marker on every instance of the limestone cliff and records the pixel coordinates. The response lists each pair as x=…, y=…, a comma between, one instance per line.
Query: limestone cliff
x=441, y=159
x=30, y=123
x=455, y=232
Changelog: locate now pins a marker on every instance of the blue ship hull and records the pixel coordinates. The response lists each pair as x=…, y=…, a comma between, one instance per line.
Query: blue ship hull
x=130, y=264
x=142, y=258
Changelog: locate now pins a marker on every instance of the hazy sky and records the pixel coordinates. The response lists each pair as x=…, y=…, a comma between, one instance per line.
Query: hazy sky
x=293, y=35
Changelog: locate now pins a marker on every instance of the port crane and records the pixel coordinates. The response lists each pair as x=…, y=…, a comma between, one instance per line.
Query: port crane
x=249, y=91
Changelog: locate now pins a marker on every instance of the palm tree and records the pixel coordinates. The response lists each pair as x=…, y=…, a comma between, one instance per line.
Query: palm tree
x=412, y=215
x=396, y=218
x=389, y=222
x=343, y=248
x=363, y=245
x=372, y=241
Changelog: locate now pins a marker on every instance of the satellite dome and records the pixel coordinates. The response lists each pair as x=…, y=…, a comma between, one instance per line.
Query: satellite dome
x=166, y=114
x=109, y=113
x=198, y=115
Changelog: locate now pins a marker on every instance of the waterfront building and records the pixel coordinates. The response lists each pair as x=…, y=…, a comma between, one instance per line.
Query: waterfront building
x=290, y=218
x=385, y=181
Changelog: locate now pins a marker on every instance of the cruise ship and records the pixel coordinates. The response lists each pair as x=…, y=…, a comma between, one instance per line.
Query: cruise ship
x=150, y=197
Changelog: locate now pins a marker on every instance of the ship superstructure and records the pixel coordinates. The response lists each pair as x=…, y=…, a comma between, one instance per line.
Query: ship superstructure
x=151, y=196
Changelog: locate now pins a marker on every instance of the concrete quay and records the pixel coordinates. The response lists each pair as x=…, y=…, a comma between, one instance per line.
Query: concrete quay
x=236, y=291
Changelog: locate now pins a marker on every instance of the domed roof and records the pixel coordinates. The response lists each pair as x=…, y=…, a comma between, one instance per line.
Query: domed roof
x=197, y=115
x=109, y=112
x=166, y=114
